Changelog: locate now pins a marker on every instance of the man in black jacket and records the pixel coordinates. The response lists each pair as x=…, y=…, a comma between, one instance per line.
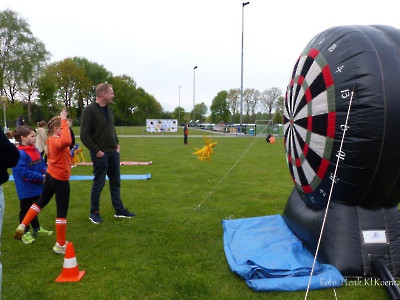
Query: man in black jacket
x=98, y=134
x=9, y=156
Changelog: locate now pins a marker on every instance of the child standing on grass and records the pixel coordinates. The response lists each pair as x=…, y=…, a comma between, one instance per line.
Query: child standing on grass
x=56, y=182
x=29, y=177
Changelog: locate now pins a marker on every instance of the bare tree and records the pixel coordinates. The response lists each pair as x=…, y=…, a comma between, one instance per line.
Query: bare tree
x=233, y=100
x=254, y=103
x=248, y=102
x=30, y=76
x=269, y=98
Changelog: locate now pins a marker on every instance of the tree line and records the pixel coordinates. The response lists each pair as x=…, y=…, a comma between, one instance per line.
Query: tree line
x=37, y=89
x=253, y=105
x=33, y=87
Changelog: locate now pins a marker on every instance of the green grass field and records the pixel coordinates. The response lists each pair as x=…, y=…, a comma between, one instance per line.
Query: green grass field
x=173, y=249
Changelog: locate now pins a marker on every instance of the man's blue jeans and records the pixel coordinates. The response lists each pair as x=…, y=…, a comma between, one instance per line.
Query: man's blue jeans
x=102, y=166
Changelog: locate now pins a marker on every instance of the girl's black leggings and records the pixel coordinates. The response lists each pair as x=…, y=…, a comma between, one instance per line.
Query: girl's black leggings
x=59, y=188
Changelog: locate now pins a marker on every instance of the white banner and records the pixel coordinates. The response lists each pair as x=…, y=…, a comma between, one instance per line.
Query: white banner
x=161, y=125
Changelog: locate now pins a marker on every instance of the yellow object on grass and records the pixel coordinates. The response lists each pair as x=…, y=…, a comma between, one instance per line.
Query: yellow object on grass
x=77, y=155
x=206, y=151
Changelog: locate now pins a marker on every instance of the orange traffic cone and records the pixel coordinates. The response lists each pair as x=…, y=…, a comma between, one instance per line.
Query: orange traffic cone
x=70, y=271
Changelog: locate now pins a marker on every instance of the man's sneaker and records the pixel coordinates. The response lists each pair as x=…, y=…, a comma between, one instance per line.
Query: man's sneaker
x=124, y=214
x=59, y=249
x=95, y=218
x=42, y=231
x=19, y=232
x=27, y=238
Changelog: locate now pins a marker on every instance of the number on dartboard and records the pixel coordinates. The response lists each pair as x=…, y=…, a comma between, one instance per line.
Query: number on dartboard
x=340, y=155
x=345, y=93
x=339, y=69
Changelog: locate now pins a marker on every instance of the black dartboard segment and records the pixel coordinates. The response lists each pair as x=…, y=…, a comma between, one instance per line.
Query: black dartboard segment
x=366, y=60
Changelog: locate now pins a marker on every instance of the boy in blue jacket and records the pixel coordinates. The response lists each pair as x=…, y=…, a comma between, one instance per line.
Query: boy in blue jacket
x=29, y=175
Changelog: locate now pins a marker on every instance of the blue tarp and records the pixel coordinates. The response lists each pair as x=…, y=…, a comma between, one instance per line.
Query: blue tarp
x=269, y=257
x=90, y=177
x=123, y=177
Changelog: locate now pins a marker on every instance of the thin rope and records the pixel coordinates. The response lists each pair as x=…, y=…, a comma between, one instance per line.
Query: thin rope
x=234, y=165
x=226, y=174
x=330, y=195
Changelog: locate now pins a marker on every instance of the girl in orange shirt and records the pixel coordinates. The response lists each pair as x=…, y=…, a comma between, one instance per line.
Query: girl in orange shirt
x=56, y=180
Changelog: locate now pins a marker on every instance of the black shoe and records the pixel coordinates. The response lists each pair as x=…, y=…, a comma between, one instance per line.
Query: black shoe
x=124, y=214
x=95, y=218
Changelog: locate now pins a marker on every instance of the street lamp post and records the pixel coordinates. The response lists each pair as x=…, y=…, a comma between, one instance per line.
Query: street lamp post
x=194, y=91
x=3, y=100
x=241, y=73
x=179, y=108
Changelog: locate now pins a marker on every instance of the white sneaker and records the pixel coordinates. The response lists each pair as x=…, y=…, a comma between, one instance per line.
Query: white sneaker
x=19, y=232
x=59, y=249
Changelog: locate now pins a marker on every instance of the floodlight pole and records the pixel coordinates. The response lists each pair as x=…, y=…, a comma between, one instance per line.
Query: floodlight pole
x=194, y=91
x=241, y=73
x=179, y=108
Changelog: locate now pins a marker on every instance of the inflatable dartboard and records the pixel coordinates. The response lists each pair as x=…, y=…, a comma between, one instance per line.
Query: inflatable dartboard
x=357, y=64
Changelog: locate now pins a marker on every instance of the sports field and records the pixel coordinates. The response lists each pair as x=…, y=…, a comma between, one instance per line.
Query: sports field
x=173, y=249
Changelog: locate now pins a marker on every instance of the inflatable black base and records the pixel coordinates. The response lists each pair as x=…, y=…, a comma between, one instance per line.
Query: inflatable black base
x=354, y=237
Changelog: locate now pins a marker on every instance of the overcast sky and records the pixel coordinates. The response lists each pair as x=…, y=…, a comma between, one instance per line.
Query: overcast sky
x=159, y=42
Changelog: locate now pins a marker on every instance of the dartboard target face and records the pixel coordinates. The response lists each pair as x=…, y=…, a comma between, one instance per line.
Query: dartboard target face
x=309, y=120
x=340, y=117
